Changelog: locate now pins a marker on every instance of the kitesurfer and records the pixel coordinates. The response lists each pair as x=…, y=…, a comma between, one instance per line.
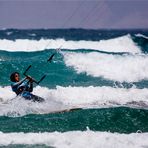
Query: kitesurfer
x=23, y=87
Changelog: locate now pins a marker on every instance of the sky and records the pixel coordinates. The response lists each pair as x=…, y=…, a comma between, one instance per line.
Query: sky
x=90, y=14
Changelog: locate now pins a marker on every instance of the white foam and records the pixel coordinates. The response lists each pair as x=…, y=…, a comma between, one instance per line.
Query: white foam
x=69, y=97
x=32, y=34
x=96, y=95
x=122, y=68
x=141, y=35
x=9, y=33
x=6, y=93
x=77, y=139
x=11, y=105
x=120, y=44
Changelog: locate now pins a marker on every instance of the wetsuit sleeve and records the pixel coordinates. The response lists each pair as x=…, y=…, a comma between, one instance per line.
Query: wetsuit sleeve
x=18, y=83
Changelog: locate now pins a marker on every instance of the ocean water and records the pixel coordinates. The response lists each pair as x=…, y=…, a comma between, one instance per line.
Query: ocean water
x=102, y=73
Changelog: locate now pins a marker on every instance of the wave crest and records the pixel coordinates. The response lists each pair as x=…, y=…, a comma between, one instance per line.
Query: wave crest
x=57, y=139
x=119, y=44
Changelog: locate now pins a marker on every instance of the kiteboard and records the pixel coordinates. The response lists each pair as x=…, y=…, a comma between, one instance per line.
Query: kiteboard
x=66, y=110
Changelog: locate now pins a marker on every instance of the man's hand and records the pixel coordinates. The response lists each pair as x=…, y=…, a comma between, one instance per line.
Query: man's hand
x=30, y=79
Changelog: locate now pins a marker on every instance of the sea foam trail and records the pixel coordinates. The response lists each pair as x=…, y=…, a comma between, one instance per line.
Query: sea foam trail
x=69, y=97
x=79, y=139
x=120, y=44
x=122, y=68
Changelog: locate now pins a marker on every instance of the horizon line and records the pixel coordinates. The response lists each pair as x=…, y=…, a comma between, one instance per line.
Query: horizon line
x=74, y=28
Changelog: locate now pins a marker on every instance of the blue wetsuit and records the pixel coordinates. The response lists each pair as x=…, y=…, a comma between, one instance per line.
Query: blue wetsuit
x=24, y=89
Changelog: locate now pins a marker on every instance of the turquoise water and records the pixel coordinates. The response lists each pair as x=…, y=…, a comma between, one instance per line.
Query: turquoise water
x=122, y=120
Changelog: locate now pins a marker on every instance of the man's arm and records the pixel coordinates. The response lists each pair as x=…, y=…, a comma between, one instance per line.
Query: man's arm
x=31, y=87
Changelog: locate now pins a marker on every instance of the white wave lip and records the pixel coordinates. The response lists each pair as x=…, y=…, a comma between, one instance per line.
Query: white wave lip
x=141, y=35
x=85, y=96
x=79, y=139
x=120, y=44
x=122, y=68
x=72, y=97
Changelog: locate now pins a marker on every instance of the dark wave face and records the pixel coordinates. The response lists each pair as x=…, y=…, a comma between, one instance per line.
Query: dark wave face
x=141, y=41
x=68, y=34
